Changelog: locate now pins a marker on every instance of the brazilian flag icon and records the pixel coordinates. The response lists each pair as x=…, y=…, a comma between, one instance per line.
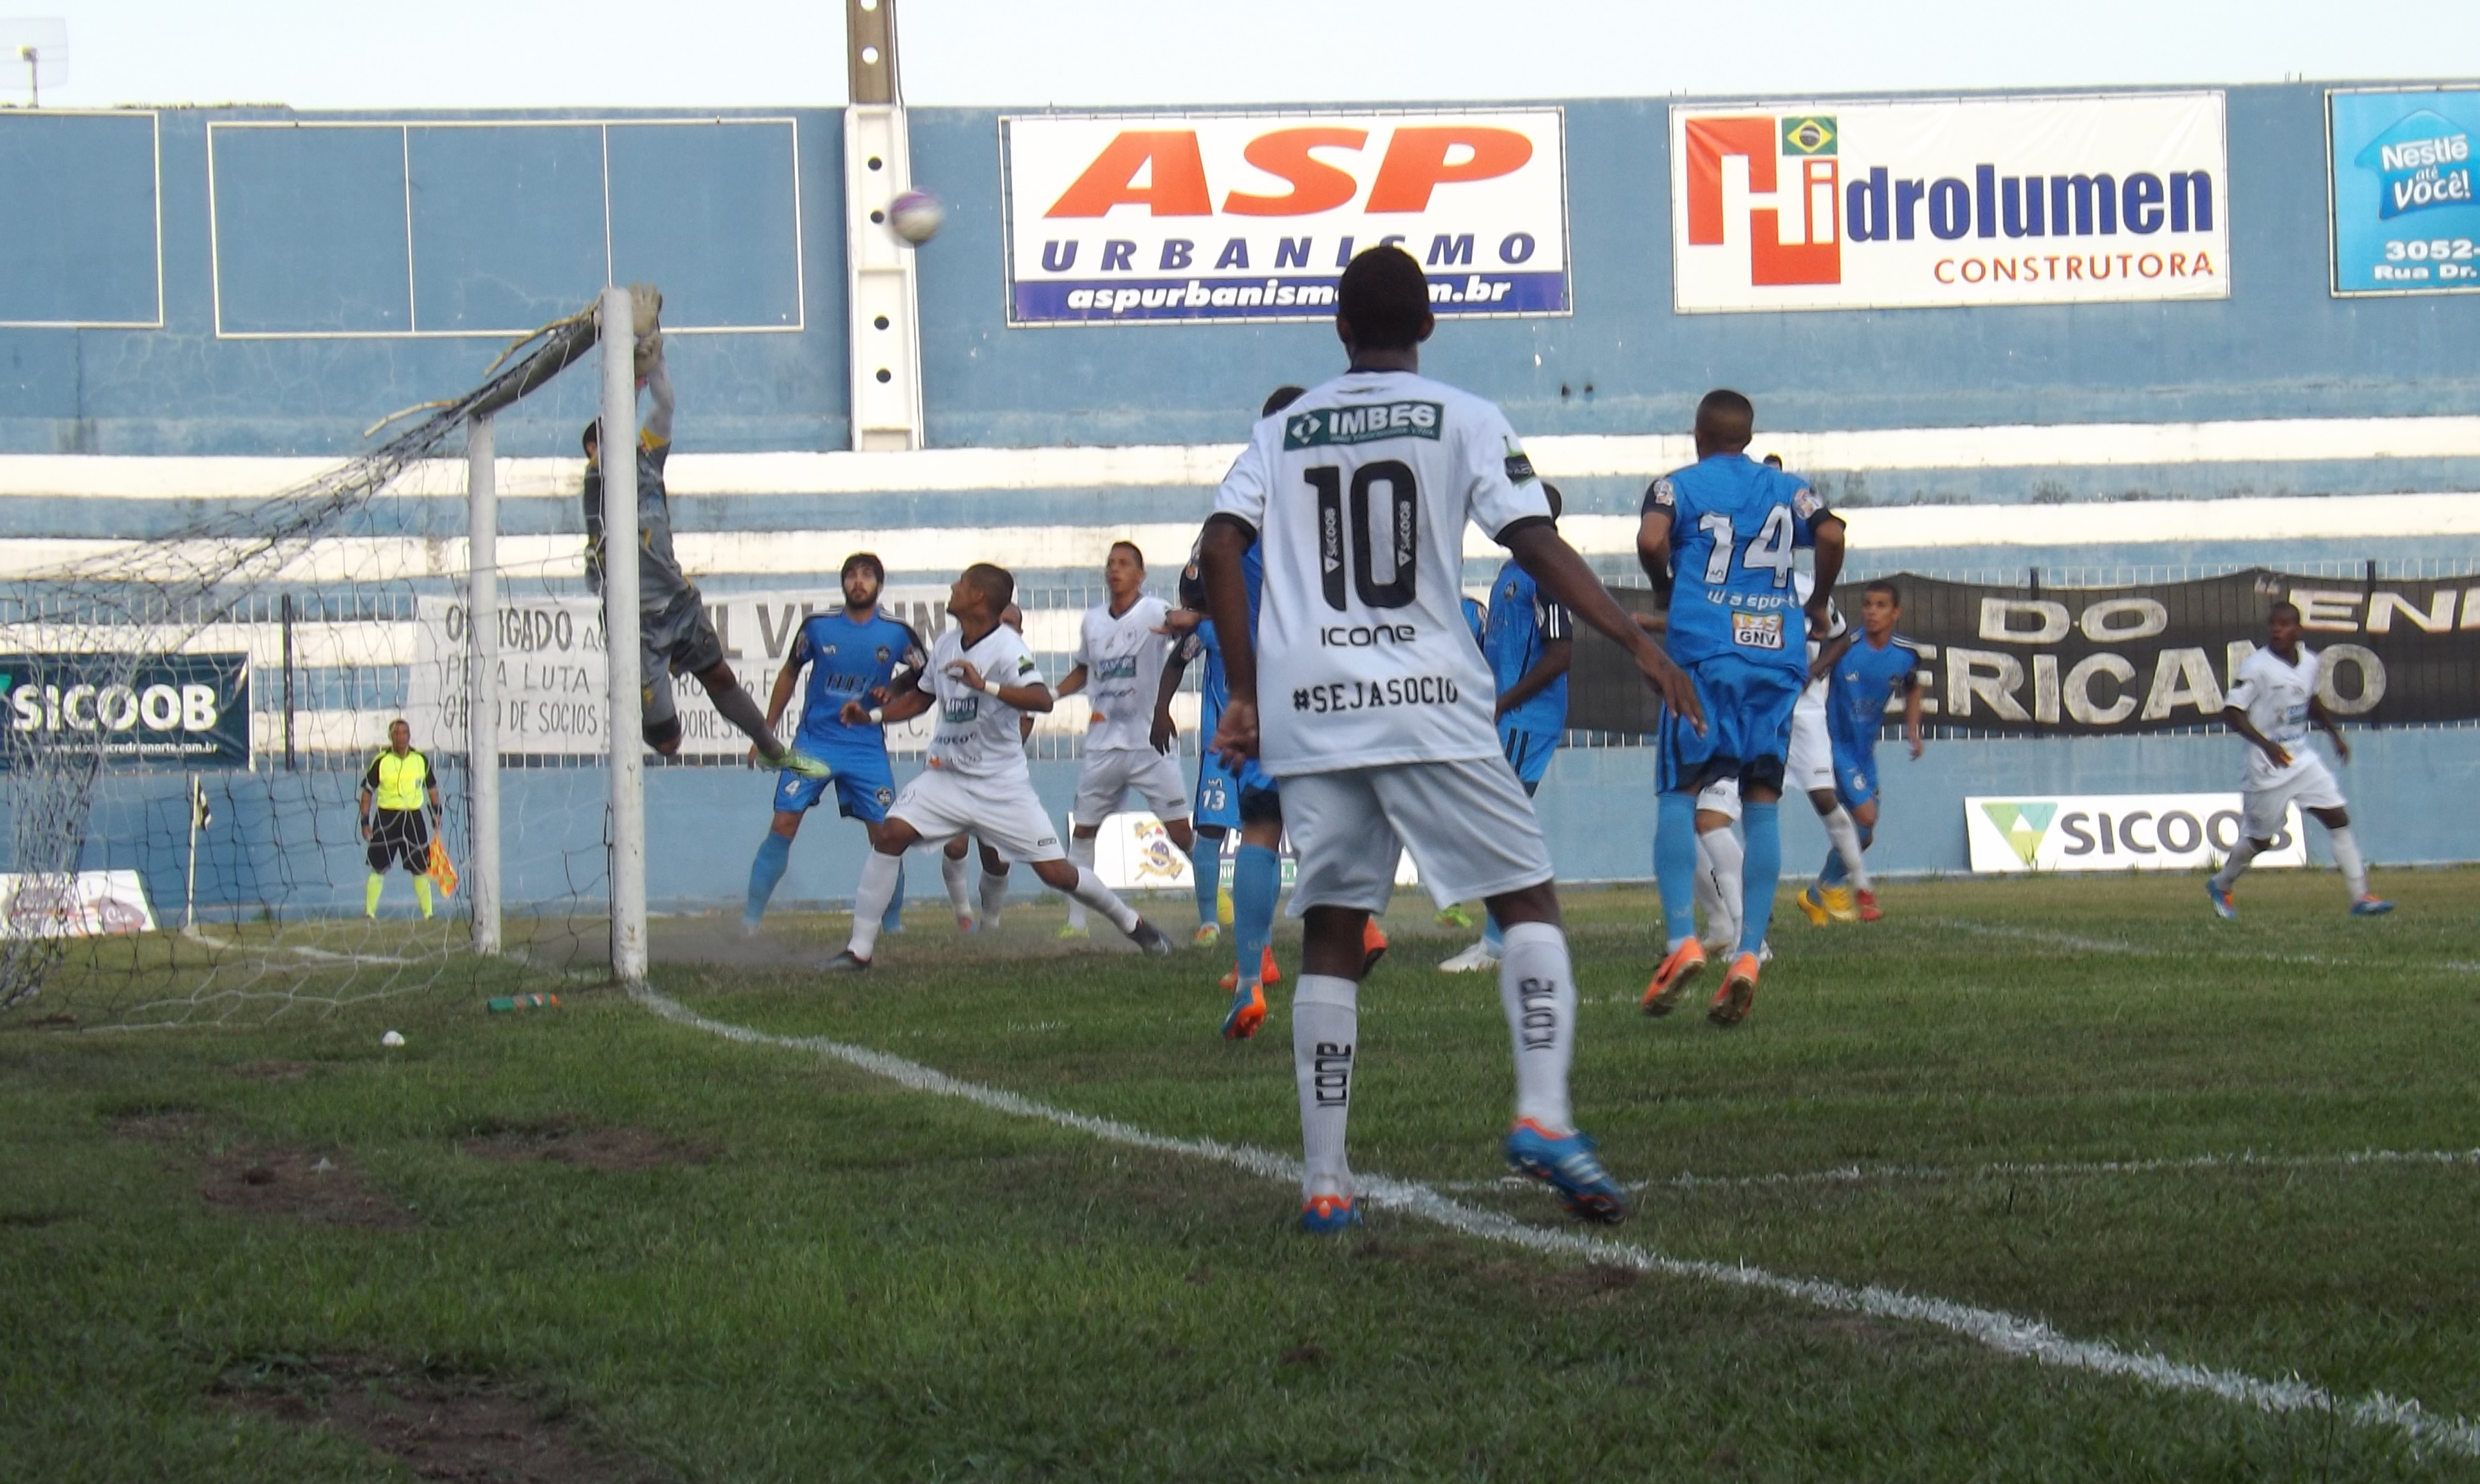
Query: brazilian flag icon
x=1812, y=134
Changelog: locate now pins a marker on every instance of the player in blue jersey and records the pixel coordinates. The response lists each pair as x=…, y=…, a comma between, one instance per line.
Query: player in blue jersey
x=1867, y=670
x=849, y=653
x=1529, y=642
x=1722, y=536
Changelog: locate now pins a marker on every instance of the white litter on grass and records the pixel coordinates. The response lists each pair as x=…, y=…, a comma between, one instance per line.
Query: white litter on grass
x=2005, y=1332
x=1870, y=1174
x=392, y=1039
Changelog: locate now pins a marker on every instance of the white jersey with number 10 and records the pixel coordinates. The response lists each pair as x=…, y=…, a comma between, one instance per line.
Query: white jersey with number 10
x=1359, y=493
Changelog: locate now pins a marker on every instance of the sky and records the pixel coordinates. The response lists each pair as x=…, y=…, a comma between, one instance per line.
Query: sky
x=325, y=53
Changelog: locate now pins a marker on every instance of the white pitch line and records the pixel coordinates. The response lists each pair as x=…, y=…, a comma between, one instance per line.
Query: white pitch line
x=2103, y=945
x=1870, y=1174
x=2006, y=1333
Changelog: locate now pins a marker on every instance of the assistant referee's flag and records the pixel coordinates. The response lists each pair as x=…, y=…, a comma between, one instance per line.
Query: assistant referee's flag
x=441, y=870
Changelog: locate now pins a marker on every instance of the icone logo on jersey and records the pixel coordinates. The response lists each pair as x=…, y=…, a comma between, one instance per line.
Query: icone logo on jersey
x=1118, y=217
x=1949, y=202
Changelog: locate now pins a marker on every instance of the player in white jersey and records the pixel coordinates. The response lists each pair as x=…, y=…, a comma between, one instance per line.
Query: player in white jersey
x=1120, y=648
x=2272, y=704
x=981, y=678
x=1375, y=706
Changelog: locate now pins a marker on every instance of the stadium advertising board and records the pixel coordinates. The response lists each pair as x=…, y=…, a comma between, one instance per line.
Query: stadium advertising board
x=2115, y=833
x=1130, y=218
x=2105, y=662
x=1940, y=202
x=83, y=903
x=2400, y=189
x=555, y=688
x=180, y=710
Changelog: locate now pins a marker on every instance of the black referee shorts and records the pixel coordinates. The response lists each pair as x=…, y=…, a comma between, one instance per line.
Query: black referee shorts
x=400, y=835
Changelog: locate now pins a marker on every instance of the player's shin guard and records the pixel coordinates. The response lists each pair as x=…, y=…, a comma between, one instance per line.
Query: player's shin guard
x=2346, y=855
x=1326, y=1022
x=1722, y=857
x=1846, y=859
x=1256, y=879
x=774, y=854
x=1538, y=986
x=1764, y=872
x=1090, y=891
x=739, y=709
x=955, y=873
x=878, y=877
x=993, y=896
x=1674, y=865
x=1080, y=854
x=2235, y=866
x=1206, y=865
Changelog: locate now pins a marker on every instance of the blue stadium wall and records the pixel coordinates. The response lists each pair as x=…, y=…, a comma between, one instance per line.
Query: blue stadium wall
x=228, y=284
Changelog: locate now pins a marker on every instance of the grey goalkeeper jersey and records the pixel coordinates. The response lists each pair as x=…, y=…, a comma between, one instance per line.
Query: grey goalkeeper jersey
x=660, y=582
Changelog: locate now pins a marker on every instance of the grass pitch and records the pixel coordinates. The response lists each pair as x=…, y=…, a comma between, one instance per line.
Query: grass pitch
x=646, y=1252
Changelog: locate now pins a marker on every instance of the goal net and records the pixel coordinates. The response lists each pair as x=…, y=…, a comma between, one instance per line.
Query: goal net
x=188, y=722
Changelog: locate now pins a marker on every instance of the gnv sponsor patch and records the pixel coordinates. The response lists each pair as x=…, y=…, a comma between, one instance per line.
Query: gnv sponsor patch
x=1757, y=631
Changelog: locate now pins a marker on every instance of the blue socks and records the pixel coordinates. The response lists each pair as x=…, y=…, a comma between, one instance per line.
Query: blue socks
x=1834, y=875
x=894, y=921
x=1205, y=864
x=1762, y=871
x=1257, y=877
x=774, y=854
x=1674, y=865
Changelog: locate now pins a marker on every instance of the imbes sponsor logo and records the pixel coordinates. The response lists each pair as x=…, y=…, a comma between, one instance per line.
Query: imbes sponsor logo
x=1949, y=202
x=2115, y=833
x=1322, y=427
x=1253, y=217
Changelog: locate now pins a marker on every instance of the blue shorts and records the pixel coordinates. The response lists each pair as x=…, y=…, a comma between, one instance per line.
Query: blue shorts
x=864, y=785
x=1747, y=727
x=1856, y=777
x=1528, y=753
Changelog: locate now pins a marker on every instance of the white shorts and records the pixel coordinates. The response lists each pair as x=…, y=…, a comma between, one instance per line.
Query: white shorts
x=1003, y=811
x=1110, y=776
x=1810, y=766
x=2309, y=784
x=1470, y=825
x=1722, y=797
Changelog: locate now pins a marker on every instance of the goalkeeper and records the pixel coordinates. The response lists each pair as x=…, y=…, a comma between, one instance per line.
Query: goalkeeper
x=398, y=781
x=674, y=634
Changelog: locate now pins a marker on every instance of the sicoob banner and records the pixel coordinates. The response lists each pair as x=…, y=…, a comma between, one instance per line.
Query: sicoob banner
x=1126, y=218
x=2103, y=661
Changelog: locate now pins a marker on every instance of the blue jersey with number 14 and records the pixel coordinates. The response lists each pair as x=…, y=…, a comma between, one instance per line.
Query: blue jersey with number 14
x=1735, y=525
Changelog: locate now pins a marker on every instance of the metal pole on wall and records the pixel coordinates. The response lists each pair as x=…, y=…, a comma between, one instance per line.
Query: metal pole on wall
x=483, y=677
x=619, y=452
x=288, y=681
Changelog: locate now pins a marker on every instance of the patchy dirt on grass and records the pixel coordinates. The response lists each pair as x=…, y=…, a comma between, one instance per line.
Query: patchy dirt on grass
x=439, y=1425
x=310, y=1185
x=562, y=1140
x=157, y=1125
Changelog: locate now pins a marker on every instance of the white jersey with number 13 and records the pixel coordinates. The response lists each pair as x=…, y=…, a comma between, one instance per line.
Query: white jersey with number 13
x=1359, y=493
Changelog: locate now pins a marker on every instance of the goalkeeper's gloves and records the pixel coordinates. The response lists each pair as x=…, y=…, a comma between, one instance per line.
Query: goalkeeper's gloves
x=645, y=308
x=650, y=351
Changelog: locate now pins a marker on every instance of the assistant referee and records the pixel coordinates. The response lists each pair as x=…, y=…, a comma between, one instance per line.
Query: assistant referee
x=398, y=781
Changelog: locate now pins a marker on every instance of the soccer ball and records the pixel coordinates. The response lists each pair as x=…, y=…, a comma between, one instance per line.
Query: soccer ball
x=917, y=216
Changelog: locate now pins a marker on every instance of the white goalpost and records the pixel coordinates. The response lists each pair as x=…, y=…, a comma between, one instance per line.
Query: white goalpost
x=618, y=440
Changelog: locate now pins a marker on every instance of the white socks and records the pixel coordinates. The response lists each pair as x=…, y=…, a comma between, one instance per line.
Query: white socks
x=1845, y=836
x=1080, y=854
x=1090, y=891
x=877, y=888
x=2346, y=855
x=953, y=871
x=1326, y=1025
x=994, y=897
x=1538, y=986
x=2240, y=854
x=1719, y=858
